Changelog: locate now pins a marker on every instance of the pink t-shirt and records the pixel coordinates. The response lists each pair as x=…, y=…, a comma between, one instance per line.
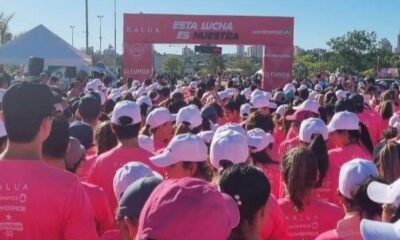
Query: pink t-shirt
x=102, y=212
x=159, y=145
x=288, y=144
x=112, y=235
x=273, y=173
x=39, y=202
x=347, y=229
x=328, y=191
x=86, y=166
x=274, y=227
x=372, y=121
x=279, y=136
x=107, y=164
x=290, y=134
x=317, y=217
x=341, y=155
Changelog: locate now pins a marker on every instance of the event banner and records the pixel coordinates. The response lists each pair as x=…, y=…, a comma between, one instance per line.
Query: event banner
x=277, y=66
x=138, y=60
x=163, y=28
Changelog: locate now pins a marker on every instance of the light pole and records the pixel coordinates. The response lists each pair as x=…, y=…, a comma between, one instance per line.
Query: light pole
x=115, y=36
x=72, y=32
x=87, y=26
x=100, y=17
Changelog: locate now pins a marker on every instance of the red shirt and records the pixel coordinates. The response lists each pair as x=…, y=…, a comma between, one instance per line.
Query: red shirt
x=107, y=164
x=112, y=235
x=159, y=145
x=40, y=202
x=102, y=212
x=279, y=136
x=273, y=173
x=341, y=155
x=317, y=217
x=274, y=227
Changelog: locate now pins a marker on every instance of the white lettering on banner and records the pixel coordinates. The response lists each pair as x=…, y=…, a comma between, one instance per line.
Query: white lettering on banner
x=282, y=75
x=184, y=25
x=276, y=55
x=285, y=32
x=144, y=71
x=217, y=26
x=143, y=29
x=183, y=35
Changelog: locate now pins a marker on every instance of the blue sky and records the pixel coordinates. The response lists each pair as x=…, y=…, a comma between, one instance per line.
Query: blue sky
x=316, y=21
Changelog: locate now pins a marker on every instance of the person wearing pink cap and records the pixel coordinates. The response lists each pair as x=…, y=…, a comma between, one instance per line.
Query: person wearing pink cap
x=184, y=156
x=306, y=216
x=159, y=126
x=188, y=208
x=125, y=122
x=350, y=137
x=354, y=179
x=295, y=120
x=251, y=189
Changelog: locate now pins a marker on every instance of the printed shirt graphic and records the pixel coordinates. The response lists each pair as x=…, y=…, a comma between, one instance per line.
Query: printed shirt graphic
x=39, y=202
x=316, y=218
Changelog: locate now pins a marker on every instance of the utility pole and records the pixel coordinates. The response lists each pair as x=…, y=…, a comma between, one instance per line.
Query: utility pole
x=115, y=36
x=100, y=17
x=72, y=32
x=87, y=26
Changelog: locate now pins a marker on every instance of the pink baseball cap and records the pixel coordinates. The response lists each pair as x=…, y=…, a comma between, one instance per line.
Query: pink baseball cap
x=188, y=207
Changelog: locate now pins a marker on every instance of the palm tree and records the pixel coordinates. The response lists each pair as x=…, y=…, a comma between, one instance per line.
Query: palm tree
x=5, y=35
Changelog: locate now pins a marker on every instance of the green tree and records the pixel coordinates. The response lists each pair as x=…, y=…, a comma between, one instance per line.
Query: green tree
x=215, y=64
x=355, y=50
x=244, y=64
x=172, y=64
x=5, y=34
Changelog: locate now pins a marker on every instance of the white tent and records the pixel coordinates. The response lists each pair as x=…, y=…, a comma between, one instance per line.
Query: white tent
x=41, y=42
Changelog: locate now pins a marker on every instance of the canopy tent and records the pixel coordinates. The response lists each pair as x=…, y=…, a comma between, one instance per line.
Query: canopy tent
x=41, y=42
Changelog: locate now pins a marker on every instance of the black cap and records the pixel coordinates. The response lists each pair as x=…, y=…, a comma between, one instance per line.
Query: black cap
x=89, y=105
x=83, y=132
x=135, y=196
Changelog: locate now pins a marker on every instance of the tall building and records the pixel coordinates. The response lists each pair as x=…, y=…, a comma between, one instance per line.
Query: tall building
x=240, y=50
x=398, y=43
x=187, y=52
x=256, y=51
x=384, y=43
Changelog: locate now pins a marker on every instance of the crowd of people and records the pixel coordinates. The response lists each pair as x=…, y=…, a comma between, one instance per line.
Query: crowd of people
x=210, y=159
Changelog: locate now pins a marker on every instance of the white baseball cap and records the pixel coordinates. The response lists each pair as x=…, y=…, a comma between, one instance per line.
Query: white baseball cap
x=207, y=136
x=394, y=122
x=302, y=87
x=192, y=85
x=221, y=130
x=312, y=126
x=309, y=105
x=281, y=109
x=114, y=95
x=265, y=139
x=146, y=143
x=190, y=114
x=231, y=146
x=384, y=193
x=344, y=121
x=341, y=94
x=256, y=92
x=261, y=101
x=144, y=99
x=94, y=85
x=289, y=87
x=318, y=87
x=158, y=117
x=355, y=173
x=312, y=95
x=247, y=93
x=183, y=147
x=140, y=91
x=245, y=110
x=103, y=97
x=3, y=131
x=128, y=174
x=372, y=230
x=126, y=109
x=224, y=95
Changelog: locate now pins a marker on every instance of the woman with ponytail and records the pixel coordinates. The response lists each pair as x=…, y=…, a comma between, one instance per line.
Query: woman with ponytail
x=307, y=215
x=351, y=138
x=188, y=120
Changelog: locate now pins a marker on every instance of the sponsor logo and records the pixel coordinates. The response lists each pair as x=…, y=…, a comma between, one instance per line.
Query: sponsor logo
x=281, y=75
x=143, y=29
x=137, y=71
x=137, y=50
x=283, y=32
x=278, y=55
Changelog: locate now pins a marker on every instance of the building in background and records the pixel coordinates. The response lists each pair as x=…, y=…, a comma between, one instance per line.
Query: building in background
x=240, y=51
x=255, y=51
